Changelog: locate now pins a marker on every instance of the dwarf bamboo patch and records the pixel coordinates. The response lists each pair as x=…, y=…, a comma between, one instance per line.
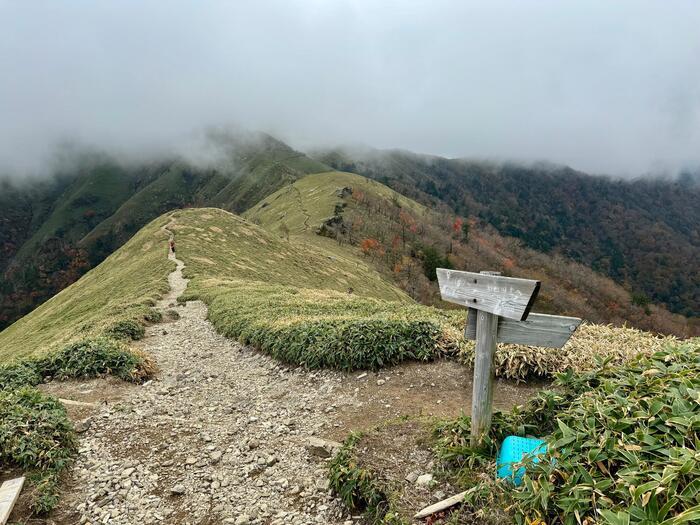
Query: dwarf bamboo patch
x=623, y=445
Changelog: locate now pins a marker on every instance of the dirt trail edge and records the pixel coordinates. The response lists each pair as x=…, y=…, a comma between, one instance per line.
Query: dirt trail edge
x=218, y=437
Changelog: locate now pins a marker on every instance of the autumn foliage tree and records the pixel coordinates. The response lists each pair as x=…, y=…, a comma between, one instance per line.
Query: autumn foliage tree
x=371, y=247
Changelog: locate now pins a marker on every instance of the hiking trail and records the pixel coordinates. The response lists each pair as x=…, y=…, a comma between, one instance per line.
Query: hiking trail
x=217, y=437
x=221, y=434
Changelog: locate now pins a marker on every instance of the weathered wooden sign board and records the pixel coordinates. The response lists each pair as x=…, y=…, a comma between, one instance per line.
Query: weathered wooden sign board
x=499, y=312
x=9, y=492
x=550, y=331
x=489, y=292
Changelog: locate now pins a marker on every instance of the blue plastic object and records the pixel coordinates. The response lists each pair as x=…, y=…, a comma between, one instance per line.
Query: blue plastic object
x=513, y=450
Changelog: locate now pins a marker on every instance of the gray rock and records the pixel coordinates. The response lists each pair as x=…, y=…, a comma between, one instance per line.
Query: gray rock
x=177, y=490
x=424, y=479
x=412, y=477
x=322, y=448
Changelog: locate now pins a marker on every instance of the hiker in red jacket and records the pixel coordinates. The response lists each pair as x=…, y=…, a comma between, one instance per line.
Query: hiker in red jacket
x=172, y=247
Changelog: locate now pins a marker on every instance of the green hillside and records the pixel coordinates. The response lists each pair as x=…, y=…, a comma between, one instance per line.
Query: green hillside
x=308, y=294
x=304, y=205
x=218, y=248
x=122, y=288
x=348, y=213
x=55, y=229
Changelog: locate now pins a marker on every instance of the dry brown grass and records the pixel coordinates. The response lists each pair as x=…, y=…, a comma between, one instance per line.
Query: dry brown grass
x=588, y=344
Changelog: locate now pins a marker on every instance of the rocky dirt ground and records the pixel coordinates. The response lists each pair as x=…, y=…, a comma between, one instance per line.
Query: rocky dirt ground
x=222, y=434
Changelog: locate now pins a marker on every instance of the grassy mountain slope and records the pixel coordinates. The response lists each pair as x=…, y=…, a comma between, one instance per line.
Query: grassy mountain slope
x=122, y=288
x=217, y=246
x=178, y=185
x=258, y=170
x=411, y=239
x=304, y=205
x=645, y=234
x=295, y=299
x=77, y=219
x=56, y=229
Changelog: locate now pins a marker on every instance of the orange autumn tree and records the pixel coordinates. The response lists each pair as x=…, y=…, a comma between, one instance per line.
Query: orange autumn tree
x=371, y=246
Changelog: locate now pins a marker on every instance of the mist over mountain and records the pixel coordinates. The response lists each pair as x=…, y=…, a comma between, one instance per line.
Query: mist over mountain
x=644, y=234
x=101, y=133
x=582, y=84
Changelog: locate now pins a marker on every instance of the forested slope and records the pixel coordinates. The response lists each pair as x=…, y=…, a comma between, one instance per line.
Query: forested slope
x=645, y=234
x=407, y=241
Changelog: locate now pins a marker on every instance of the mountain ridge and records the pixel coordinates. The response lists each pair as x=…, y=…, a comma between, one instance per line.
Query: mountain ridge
x=95, y=203
x=75, y=220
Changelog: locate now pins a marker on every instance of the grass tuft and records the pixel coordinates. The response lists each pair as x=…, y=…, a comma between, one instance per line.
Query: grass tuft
x=358, y=488
x=588, y=344
x=84, y=359
x=327, y=329
x=126, y=329
x=36, y=436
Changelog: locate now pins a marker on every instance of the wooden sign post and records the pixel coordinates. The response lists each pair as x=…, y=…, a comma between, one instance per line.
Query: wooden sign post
x=499, y=312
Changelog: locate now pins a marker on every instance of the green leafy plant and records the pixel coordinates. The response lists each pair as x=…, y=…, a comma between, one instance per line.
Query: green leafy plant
x=36, y=436
x=357, y=486
x=328, y=329
x=127, y=329
x=624, y=445
x=84, y=359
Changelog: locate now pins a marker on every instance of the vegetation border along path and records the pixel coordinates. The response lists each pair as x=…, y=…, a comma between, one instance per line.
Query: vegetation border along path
x=623, y=446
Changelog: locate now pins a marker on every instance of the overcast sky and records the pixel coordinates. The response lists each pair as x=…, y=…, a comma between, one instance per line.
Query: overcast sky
x=606, y=87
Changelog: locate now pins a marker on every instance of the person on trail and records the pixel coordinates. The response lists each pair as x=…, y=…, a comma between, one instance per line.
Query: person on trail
x=172, y=247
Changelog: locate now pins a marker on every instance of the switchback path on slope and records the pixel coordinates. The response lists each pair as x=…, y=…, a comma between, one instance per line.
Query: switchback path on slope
x=219, y=435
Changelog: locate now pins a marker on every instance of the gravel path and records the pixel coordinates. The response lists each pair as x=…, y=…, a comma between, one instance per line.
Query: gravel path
x=223, y=433
x=219, y=437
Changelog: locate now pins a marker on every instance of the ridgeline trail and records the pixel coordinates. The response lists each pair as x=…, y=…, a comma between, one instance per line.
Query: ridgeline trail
x=218, y=436
x=221, y=434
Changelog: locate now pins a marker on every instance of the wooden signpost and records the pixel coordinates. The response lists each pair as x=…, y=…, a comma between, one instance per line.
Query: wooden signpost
x=499, y=312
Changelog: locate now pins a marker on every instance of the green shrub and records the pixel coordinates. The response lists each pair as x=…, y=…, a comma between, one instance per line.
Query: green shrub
x=624, y=444
x=327, y=329
x=153, y=316
x=24, y=373
x=126, y=329
x=85, y=359
x=357, y=487
x=96, y=357
x=330, y=329
x=36, y=436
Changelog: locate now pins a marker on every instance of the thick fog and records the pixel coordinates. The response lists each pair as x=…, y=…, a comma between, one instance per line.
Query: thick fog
x=606, y=87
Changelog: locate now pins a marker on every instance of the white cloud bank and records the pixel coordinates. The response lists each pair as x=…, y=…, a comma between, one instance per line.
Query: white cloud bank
x=603, y=86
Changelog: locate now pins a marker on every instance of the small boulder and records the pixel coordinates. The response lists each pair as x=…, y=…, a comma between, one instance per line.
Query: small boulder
x=424, y=479
x=322, y=448
x=177, y=490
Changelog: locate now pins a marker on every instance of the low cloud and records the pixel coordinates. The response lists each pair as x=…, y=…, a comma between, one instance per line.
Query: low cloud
x=604, y=87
